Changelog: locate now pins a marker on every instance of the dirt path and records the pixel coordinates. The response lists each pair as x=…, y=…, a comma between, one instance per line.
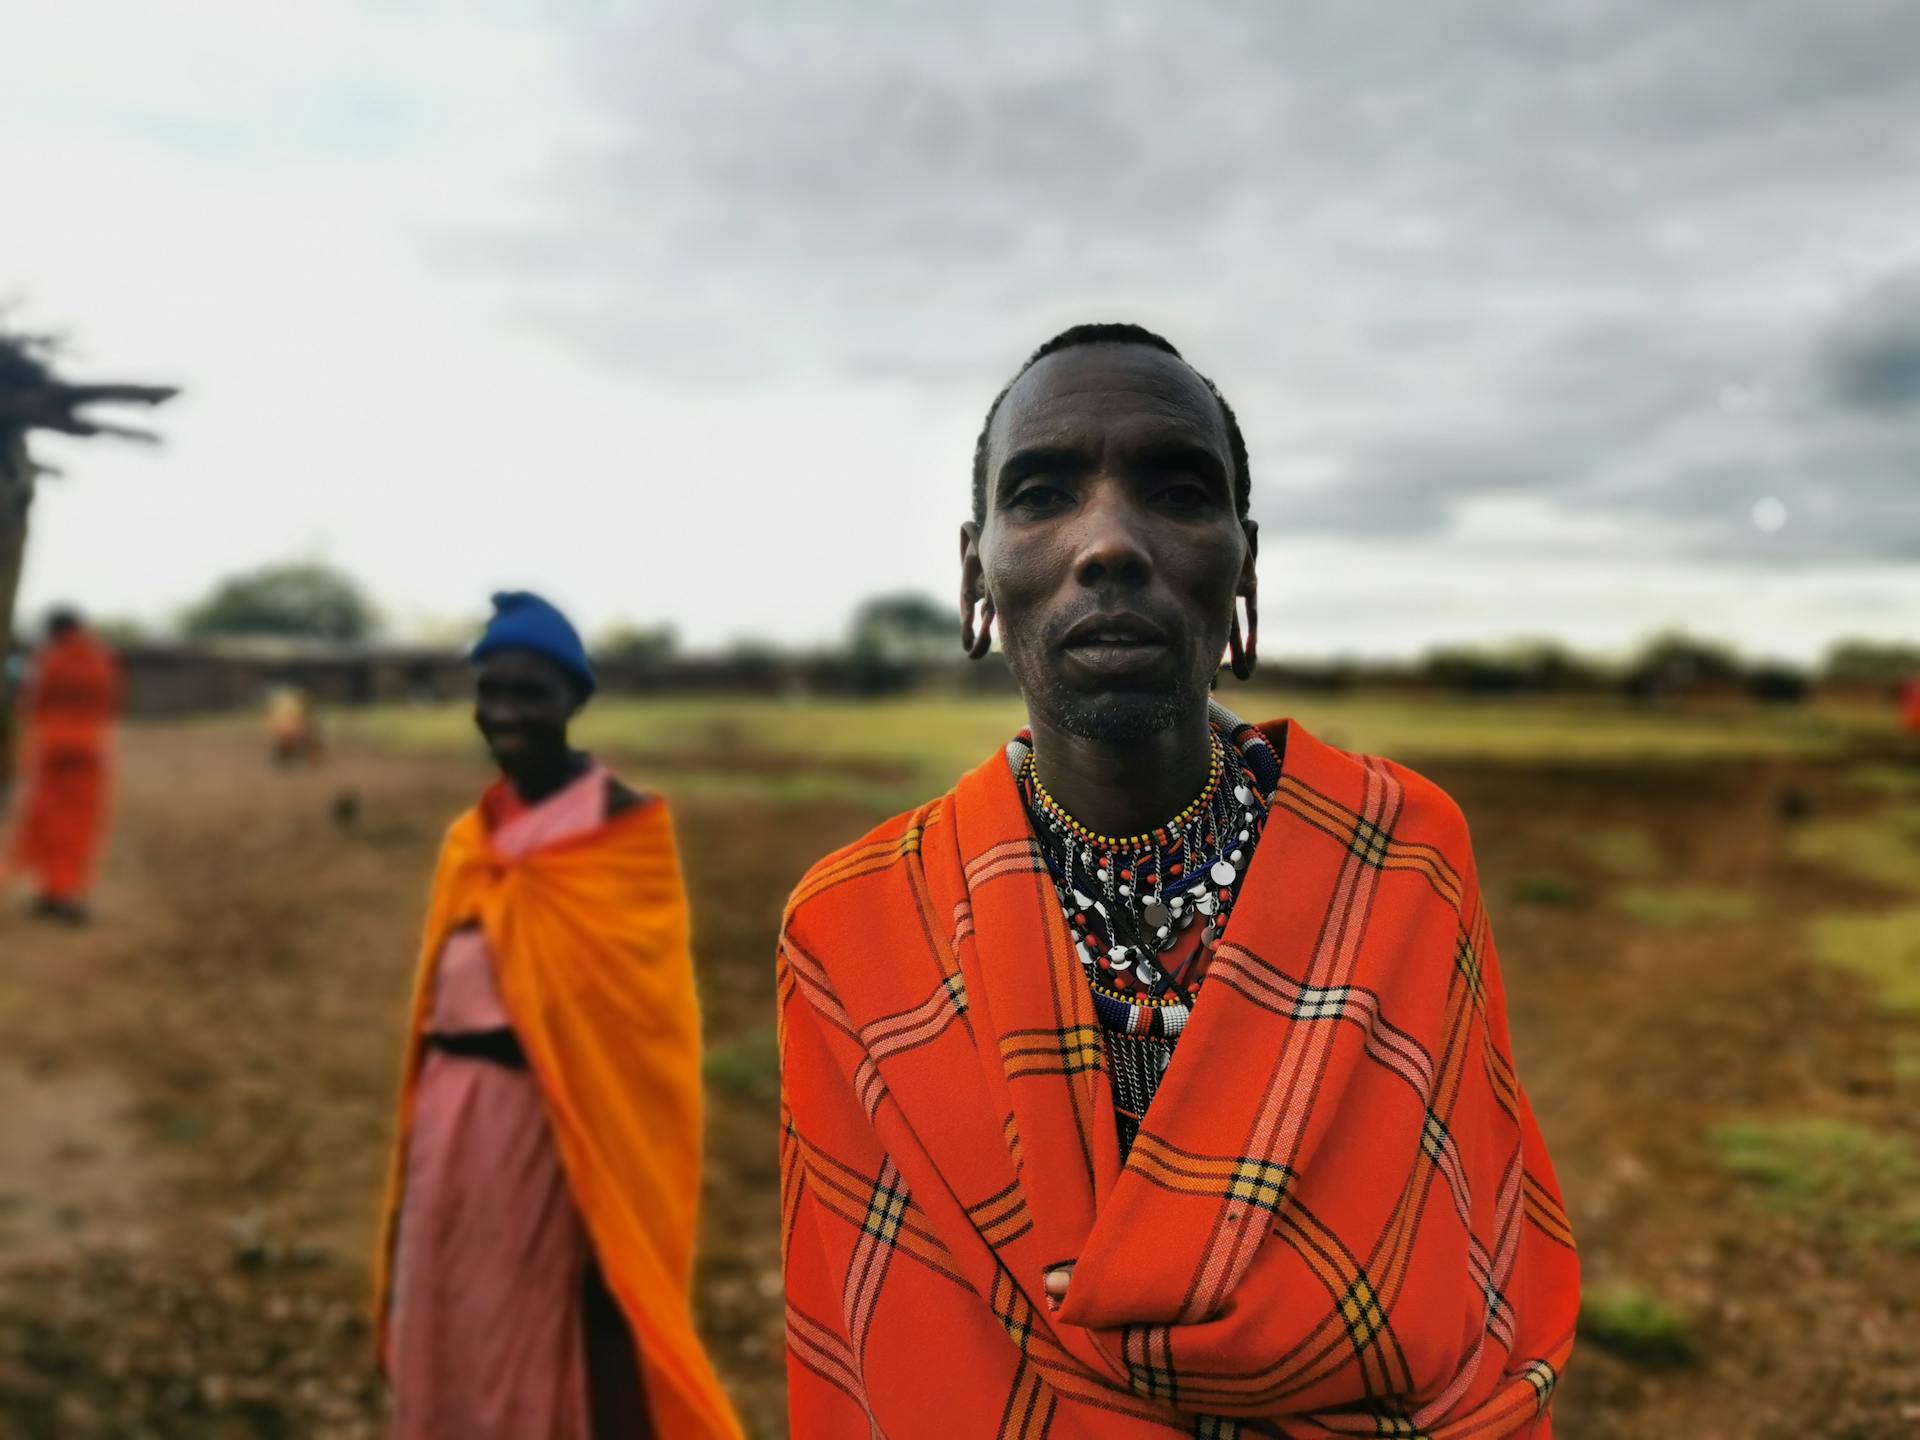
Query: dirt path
x=194, y=1095
x=1637, y=1041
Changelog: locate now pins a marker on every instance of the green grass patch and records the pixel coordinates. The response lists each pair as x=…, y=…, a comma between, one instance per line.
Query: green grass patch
x=1595, y=731
x=1906, y=1062
x=1626, y=851
x=1683, y=907
x=1635, y=1325
x=1883, y=847
x=1882, y=948
x=1835, y=1178
x=884, y=755
x=1548, y=891
x=747, y=1065
x=939, y=736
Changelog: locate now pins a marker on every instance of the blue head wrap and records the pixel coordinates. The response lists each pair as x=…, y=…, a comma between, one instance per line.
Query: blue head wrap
x=523, y=621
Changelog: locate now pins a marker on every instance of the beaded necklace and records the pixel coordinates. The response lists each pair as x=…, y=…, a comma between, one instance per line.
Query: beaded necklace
x=1130, y=900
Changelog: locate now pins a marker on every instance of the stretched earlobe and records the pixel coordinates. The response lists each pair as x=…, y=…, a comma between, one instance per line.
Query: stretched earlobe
x=979, y=639
x=1242, y=646
x=976, y=628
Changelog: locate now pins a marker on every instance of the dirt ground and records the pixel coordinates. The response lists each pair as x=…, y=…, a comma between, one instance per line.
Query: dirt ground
x=195, y=1093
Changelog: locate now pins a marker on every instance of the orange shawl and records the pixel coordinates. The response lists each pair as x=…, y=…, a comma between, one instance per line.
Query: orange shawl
x=1339, y=1216
x=590, y=943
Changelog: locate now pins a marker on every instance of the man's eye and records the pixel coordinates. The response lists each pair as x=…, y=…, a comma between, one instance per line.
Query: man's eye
x=1185, y=494
x=1040, y=496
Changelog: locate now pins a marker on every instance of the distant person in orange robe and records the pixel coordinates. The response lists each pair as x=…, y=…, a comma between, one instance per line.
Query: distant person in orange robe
x=72, y=697
x=1910, y=706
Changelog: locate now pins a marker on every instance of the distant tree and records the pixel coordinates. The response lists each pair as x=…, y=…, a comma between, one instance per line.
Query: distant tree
x=1531, y=667
x=1777, y=684
x=298, y=600
x=1550, y=666
x=1871, y=662
x=1474, y=672
x=638, y=645
x=894, y=636
x=904, y=629
x=1673, y=663
x=34, y=396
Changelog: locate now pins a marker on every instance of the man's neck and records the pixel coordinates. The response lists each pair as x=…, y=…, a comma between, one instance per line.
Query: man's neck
x=1124, y=788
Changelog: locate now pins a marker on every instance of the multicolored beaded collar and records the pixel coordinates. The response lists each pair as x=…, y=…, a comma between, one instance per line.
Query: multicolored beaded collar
x=1129, y=900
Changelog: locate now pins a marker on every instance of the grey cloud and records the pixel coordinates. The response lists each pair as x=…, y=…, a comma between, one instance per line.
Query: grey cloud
x=1872, y=361
x=1617, y=255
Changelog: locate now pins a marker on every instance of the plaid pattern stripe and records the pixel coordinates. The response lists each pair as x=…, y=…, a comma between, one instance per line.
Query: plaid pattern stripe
x=877, y=1208
x=822, y=1349
x=1369, y=841
x=909, y=1029
x=1340, y=1154
x=1001, y=1218
x=1246, y=1178
x=1077, y=1050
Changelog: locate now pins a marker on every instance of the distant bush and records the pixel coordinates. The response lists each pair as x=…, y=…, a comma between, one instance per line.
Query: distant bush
x=1529, y=668
x=1868, y=662
x=1635, y=1326
x=1674, y=664
x=1552, y=891
x=1778, y=684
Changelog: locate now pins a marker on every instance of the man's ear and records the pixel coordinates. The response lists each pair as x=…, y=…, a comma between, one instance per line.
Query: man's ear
x=976, y=606
x=973, y=575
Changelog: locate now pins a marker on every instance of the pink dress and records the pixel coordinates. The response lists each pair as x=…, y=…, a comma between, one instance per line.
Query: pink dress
x=500, y=1328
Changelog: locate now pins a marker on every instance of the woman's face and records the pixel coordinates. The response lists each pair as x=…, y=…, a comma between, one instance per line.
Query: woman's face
x=522, y=704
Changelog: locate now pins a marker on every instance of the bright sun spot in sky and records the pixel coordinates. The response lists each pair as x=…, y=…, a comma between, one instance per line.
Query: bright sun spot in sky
x=1769, y=514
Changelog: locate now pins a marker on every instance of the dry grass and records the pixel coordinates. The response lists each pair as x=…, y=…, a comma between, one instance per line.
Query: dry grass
x=1882, y=948
x=243, y=996
x=1628, y=852
x=1678, y=907
x=1882, y=847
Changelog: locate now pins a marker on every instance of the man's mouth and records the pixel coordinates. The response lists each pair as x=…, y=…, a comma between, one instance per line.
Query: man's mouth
x=1116, y=627
x=1116, y=644
x=1111, y=637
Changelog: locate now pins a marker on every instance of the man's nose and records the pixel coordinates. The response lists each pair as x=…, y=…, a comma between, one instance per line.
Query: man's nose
x=1111, y=543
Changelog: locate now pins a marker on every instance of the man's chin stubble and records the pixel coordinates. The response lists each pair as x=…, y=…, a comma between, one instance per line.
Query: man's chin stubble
x=1115, y=718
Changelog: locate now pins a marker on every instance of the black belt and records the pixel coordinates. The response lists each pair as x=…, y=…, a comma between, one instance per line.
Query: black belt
x=502, y=1047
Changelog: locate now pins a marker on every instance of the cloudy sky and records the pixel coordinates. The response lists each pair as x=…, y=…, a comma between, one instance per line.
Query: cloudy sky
x=1570, y=319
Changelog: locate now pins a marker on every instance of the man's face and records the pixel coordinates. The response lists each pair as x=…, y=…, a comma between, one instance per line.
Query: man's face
x=1111, y=548
x=522, y=704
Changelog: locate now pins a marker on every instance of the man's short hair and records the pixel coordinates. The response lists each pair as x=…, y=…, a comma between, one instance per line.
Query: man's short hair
x=1114, y=333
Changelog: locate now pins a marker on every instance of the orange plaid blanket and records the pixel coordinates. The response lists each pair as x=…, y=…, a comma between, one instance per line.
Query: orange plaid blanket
x=1339, y=1216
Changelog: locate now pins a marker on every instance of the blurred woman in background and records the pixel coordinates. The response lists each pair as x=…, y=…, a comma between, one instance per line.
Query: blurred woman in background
x=70, y=705
x=536, y=1254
